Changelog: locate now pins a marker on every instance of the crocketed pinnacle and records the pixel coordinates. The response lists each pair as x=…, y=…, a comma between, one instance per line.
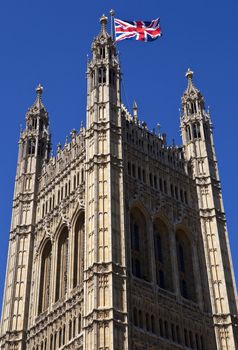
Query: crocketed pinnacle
x=38, y=102
x=103, y=21
x=190, y=88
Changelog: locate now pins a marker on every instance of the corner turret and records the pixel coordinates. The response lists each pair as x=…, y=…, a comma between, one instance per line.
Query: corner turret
x=197, y=134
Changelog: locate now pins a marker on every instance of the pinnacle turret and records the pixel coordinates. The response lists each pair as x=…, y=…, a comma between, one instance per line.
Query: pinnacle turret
x=37, y=115
x=103, y=38
x=38, y=104
x=103, y=21
x=191, y=88
x=192, y=100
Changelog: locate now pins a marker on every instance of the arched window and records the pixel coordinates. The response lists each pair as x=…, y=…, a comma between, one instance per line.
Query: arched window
x=196, y=131
x=139, y=245
x=62, y=264
x=34, y=123
x=162, y=256
x=185, y=266
x=188, y=133
x=60, y=337
x=44, y=291
x=74, y=327
x=63, y=340
x=31, y=147
x=102, y=52
x=78, y=251
x=102, y=72
x=79, y=323
x=51, y=342
x=112, y=76
x=55, y=341
x=70, y=330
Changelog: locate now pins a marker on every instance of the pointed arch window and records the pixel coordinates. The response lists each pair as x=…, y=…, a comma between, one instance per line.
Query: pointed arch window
x=188, y=133
x=78, y=251
x=206, y=130
x=102, y=75
x=162, y=255
x=185, y=266
x=44, y=291
x=62, y=264
x=34, y=123
x=196, y=131
x=139, y=245
x=112, y=77
x=193, y=107
x=31, y=147
x=102, y=52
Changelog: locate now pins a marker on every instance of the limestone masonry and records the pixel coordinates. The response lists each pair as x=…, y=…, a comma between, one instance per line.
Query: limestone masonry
x=119, y=242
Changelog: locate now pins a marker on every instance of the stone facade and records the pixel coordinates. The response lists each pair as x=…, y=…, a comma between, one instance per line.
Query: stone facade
x=118, y=242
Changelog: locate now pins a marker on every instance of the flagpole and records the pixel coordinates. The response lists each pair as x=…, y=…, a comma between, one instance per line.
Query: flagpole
x=112, y=14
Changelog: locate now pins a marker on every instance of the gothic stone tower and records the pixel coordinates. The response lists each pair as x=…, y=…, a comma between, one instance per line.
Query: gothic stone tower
x=118, y=242
x=196, y=127
x=34, y=146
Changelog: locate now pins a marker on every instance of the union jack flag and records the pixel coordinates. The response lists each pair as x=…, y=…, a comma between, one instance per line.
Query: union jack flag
x=137, y=30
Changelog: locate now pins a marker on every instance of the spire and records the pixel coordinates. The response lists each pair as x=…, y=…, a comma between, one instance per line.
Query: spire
x=190, y=88
x=37, y=114
x=38, y=102
x=103, y=21
x=135, y=112
x=38, y=107
x=100, y=39
x=192, y=100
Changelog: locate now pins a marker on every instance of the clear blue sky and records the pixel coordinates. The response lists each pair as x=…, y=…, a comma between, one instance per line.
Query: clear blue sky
x=48, y=42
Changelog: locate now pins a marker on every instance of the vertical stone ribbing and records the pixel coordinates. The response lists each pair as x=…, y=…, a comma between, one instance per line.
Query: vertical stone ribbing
x=105, y=320
x=33, y=150
x=196, y=128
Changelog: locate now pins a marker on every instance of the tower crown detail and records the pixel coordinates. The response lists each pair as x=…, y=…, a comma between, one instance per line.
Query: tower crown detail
x=103, y=21
x=37, y=115
x=192, y=99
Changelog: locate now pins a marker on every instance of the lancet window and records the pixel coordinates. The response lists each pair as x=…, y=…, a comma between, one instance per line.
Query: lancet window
x=162, y=255
x=102, y=75
x=185, y=266
x=31, y=147
x=196, y=131
x=62, y=264
x=78, y=251
x=139, y=245
x=44, y=292
x=188, y=133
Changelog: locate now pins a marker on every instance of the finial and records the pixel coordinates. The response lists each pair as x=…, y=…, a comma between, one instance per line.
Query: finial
x=158, y=127
x=112, y=13
x=134, y=105
x=81, y=126
x=39, y=90
x=66, y=140
x=73, y=133
x=58, y=147
x=189, y=74
x=103, y=21
x=135, y=112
